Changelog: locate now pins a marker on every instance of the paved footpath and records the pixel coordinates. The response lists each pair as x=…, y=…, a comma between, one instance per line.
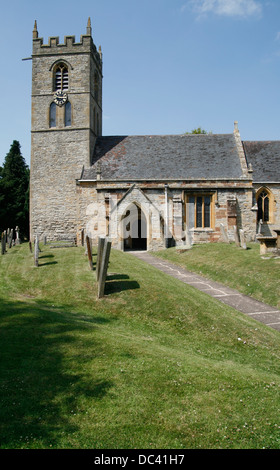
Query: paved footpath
x=253, y=308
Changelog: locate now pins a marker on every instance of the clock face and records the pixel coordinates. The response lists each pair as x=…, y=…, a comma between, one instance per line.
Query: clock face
x=60, y=98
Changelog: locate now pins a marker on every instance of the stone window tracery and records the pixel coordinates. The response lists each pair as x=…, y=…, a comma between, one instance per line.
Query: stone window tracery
x=61, y=79
x=263, y=201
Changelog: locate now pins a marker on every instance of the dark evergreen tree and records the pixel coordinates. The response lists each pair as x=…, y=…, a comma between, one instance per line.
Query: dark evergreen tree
x=14, y=191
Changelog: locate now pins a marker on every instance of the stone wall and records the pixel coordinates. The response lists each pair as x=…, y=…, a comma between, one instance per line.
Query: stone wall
x=97, y=201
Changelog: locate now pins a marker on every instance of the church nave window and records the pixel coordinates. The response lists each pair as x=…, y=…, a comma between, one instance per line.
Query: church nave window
x=263, y=206
x=199, y=211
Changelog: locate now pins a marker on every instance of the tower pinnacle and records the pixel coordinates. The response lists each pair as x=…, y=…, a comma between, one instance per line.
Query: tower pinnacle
x=89, y=29
x=35, y=31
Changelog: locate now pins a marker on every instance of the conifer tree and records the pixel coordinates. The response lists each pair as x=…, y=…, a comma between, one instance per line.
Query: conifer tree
x=14, y=191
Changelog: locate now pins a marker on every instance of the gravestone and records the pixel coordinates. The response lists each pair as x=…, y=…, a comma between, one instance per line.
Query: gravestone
x=277, y=231
x=17, y=236
x=89, y=252
x=104, y=267
x=5, y=239
x=236, y=236
x=36, y=251
x=11, y=238
x=188, y=239
x=100, y=247
x=3, y=244
x=224, y=234
x=242, y=239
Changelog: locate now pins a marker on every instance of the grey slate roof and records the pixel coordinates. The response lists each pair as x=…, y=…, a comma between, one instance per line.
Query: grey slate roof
x=265, y=160
x=159, y=157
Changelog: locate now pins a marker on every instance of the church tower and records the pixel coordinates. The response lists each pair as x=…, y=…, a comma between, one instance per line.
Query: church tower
x=66, y=119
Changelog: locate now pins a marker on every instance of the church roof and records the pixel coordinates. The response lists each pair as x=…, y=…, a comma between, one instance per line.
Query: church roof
x=163, y=157
x=265, y=159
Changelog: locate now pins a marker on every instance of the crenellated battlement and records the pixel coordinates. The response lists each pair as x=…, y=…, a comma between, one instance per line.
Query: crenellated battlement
x=69, y=46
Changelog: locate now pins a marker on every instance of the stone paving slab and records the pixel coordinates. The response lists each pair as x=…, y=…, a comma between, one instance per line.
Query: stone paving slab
x=259, y=311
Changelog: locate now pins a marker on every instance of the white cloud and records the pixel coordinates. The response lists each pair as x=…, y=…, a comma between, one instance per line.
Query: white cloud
x=239, y=8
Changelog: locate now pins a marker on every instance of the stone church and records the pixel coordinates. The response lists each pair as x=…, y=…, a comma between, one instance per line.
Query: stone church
x=145, y=192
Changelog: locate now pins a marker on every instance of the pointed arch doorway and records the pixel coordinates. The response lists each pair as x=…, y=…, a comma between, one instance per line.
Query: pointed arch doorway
x=134, y=229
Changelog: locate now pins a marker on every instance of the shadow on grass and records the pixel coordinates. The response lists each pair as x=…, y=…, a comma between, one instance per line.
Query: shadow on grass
x=41, y=386
x=118, y=283
x=46, y=264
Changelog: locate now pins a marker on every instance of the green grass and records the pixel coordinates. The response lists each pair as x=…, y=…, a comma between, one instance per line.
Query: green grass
x=154, y=364
x=244, y=270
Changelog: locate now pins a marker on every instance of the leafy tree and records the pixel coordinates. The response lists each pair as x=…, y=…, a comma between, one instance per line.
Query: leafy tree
x=197, y=131
x=14, y=191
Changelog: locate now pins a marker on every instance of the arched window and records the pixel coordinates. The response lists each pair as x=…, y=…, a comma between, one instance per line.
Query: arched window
x=53, y=115
x=68, y=114
x=61, y=77
x=263, y=206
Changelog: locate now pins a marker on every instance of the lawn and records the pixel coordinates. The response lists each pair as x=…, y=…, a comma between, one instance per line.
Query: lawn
x=155, y=364
x=244, y=270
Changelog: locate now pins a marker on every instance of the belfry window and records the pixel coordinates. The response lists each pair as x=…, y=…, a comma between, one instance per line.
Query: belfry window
x=61, y=77
x=263, y=206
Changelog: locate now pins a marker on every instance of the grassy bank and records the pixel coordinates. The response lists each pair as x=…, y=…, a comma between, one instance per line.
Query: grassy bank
x=154, y=364
x=244, y=270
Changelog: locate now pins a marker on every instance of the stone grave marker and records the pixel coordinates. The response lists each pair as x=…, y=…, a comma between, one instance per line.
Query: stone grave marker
x=104, y=267
x=236, y=236
x=36, y=251
x=188, y=240
x=3, y=243
x=100, y=247
x=17, y=236
x=89, y=252
x=242, y=240
x=224, y=234
x=11, y=238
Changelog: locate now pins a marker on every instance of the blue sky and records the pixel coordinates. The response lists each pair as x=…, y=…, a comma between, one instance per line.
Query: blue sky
x=169, y=65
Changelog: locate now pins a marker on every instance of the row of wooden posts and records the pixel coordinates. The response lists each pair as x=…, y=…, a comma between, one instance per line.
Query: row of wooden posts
x=102, y=259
